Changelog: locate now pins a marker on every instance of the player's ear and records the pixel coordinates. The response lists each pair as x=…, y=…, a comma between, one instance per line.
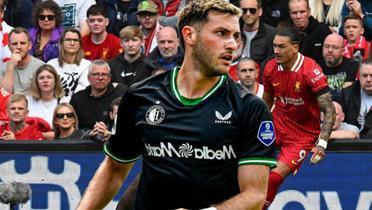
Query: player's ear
x=189, y=35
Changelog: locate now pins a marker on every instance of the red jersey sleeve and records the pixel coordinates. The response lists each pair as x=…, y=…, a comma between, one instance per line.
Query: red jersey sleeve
x=267, y=75
x=315, y=77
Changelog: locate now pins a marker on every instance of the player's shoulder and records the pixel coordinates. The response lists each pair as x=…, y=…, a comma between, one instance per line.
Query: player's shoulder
x=151, y=83
x=271, y=64
x=310, y=64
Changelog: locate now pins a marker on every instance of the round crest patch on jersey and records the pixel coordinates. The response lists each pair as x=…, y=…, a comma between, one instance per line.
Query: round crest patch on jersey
x=266, y=133
x=155, y=115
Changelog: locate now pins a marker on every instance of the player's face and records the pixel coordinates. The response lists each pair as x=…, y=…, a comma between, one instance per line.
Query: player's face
x=284, y=50
x=20, y=44
x=299, y=13
x=332, y=50
x=71, y=43
x=64, y=118
x=47, y=20
x=247, y=73
x=216, y=43
x=97, y=24
x=132, y=47
x=168, y=43
x=46, y=81
x=99, y=77
x=353, y=30
x=17, y=111
x=147, y=20
x=251, y=13
x=366, y=78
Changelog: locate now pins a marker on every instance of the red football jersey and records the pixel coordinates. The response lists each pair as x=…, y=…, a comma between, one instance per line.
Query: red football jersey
x=296, y=114
x=106, y=50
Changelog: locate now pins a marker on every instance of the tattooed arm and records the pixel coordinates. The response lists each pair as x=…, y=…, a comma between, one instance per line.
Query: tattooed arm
x=327, y=107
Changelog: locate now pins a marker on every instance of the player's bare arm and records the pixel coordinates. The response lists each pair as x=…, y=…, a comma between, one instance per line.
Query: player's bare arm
x=105, y=184
x=253, y=181
x=327, y=107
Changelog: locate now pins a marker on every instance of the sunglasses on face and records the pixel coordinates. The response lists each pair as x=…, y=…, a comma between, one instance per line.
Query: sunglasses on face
x=252, y=11
x=46, y=17
x=62, y=115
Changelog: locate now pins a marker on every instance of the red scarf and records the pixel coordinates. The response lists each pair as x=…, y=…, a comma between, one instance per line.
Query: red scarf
x=360, y=44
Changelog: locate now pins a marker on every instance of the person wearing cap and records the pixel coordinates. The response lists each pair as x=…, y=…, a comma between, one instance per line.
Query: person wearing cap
x=147, y=14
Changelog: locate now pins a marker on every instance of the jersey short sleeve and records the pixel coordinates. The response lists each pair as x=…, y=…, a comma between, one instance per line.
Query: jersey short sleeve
x=125, y=145
x=257, y=145
x=315, y=77
x=267, y=76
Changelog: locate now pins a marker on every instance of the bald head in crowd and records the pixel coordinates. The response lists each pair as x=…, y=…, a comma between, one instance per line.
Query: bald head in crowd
x=332, y=50
x=168, y=42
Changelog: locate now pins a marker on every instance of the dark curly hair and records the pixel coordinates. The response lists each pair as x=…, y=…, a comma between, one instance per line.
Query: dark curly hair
x=47, y=5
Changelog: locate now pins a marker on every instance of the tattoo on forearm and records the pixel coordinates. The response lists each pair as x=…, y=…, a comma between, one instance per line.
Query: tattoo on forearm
x=326, y=106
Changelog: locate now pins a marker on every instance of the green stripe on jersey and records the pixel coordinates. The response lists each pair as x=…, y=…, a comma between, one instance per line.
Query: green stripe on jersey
x=188, y=101
x=108, y=152
x=258, y=161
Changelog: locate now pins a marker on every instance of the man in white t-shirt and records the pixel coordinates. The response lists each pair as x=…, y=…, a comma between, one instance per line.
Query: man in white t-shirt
x=16, y=74
x=75, y=13
x=247, y=71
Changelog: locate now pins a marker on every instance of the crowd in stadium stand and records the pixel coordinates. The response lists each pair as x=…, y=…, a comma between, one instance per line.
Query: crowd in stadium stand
x=72, y=59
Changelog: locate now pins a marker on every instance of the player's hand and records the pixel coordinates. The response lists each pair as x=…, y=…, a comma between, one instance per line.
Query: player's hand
x=7, y=135
x=318, y=154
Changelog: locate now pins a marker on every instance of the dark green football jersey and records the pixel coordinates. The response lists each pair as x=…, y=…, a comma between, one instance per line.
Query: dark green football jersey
x=191, y=149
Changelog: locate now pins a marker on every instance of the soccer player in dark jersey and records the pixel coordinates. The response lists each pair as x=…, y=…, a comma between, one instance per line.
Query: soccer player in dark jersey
x=206, y=142
x=300, y=90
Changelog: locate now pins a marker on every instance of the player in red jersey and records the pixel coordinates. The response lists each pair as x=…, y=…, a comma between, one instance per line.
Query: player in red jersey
x=300, y=90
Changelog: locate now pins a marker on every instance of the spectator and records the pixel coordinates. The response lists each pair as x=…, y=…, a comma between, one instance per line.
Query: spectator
x=355, y=45
x=341, y=129
x=362, y=8
x=4, y=98
x=248, y=73
x=16, y=74
x=45, y=93
x=18, y=127
x=75, y=12
x=168, y=54
x=315, y=32
x=4, y=32
x=274, y=12
x=356, y=101
x=18, y=13
x=328, y=12
x=131, y=65
x=99, y=44
x=47, y=31
x=341, y=72
x=97, y=97
x=147, y=14
x=70, y=65
x=258, y=35
x=65, y=122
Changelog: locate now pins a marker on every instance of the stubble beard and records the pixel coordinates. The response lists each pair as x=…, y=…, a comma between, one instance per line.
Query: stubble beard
x=204, y=59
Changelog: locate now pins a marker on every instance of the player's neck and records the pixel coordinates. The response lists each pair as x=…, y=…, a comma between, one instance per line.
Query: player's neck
x=191, y=83
x=288, y=65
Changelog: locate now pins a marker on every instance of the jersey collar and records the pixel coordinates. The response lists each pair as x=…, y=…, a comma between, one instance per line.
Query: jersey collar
x=191, y=102
x=297, y=65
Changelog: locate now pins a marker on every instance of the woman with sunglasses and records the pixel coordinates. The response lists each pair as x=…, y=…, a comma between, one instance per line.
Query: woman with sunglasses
x=71, y=65
x=47, y=17
x=65, y=122
x=45, y=93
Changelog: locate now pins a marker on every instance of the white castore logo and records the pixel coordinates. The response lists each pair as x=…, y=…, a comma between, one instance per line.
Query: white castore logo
x=223, y=119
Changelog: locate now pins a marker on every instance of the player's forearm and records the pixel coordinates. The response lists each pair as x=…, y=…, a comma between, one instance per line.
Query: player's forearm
x=7, y=80
x=327, y=107
x=104, y=185
x=253, y=187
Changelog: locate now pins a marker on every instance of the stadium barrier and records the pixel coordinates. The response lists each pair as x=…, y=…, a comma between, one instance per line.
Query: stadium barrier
x=59, y=172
